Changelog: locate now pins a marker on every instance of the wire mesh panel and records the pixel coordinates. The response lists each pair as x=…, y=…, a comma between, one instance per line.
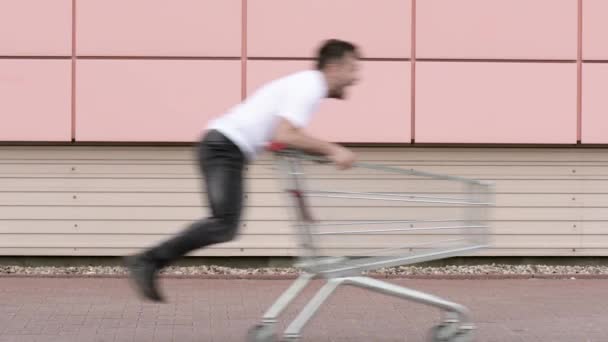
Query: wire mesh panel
x=379, y=215
x=374, y=216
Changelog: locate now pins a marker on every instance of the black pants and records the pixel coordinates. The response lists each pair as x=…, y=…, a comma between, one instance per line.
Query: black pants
x=222, y=164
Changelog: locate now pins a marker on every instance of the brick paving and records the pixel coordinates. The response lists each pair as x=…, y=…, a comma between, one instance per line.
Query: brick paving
x=106, y=310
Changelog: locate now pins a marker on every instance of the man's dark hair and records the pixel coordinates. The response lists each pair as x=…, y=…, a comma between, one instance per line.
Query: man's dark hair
x=332, y=50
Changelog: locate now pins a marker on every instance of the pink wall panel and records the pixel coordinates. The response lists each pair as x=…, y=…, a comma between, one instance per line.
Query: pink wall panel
x=501, y=29
x=279, y=28
x=376, y=110
x=595, y=104
x=468, y=102
x=595, y=29
x=35, y=27
x=35, y=100
x=152, y=100
x=159, y=27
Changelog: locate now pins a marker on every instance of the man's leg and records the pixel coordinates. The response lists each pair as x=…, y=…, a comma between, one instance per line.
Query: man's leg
x=222, y=165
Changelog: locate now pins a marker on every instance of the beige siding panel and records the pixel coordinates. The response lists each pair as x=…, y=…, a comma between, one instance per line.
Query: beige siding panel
x=187, y=169
x=341, y=241
x=113, y=200
x=197, y=199
x=268, y=251
x=281, y=214
x=156, y=227
x=154, y=153
x=287, y=241
x=271, y=185
x=114, y=250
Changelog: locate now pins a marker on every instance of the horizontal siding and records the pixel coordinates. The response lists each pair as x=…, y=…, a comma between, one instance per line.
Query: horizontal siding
x=261, y=199
x=270, y=185
x=106, y=200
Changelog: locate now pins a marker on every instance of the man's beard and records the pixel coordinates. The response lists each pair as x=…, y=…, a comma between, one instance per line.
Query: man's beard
x=336, y=94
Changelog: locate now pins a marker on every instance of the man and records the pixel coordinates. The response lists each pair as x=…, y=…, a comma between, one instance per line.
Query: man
x=276, y=112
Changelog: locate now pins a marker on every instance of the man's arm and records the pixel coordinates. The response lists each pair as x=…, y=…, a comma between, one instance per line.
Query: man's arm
x=290, y=135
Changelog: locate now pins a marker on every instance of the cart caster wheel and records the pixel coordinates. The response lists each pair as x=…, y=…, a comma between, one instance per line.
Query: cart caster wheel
x=444, y=332
x=261, y=333
x=450, y=332
x=462, y=336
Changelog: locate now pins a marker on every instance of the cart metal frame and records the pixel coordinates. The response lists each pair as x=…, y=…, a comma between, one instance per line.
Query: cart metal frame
x=456, y=325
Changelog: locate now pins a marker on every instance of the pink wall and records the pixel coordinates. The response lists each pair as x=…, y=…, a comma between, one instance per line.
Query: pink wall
x=378, y=104
x=595, y=103
x=435, y=71
x=35, y=28
x=152, y=100
x=532, y=103
x=496, y=29
x=35, y=100
x=595, y=30
x=207, y=28
x=279, y=28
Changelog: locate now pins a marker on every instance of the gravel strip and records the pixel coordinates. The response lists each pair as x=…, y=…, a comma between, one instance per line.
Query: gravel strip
x=219, y=271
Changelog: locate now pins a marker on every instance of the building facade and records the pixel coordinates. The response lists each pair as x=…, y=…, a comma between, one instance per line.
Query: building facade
x=100, y=101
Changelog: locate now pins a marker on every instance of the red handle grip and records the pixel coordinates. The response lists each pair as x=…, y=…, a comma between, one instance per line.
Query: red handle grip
x=276, y=147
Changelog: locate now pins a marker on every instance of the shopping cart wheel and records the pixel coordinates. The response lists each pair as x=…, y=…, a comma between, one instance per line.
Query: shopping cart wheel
x=444, y=332
x=463, y=336
x=261, y=333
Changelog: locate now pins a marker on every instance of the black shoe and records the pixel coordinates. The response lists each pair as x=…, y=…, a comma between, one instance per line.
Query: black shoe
x=143, y=277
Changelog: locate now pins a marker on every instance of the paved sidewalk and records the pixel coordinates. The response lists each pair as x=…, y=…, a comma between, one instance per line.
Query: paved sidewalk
x=105, y=309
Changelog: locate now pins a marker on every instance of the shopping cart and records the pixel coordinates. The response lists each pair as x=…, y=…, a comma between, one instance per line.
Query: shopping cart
x=394, y=216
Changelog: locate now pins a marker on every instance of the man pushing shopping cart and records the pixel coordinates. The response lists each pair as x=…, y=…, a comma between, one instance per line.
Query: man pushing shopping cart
x=277, y=113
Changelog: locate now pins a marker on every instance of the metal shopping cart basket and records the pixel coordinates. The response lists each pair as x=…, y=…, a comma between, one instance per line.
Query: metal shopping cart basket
x=376, y=216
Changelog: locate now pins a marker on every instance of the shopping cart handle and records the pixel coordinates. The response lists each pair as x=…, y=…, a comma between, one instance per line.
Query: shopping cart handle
x=276, y=147
x=281, y=148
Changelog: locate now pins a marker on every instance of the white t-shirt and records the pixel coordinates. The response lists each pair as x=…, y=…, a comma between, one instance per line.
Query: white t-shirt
x=251, y=124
